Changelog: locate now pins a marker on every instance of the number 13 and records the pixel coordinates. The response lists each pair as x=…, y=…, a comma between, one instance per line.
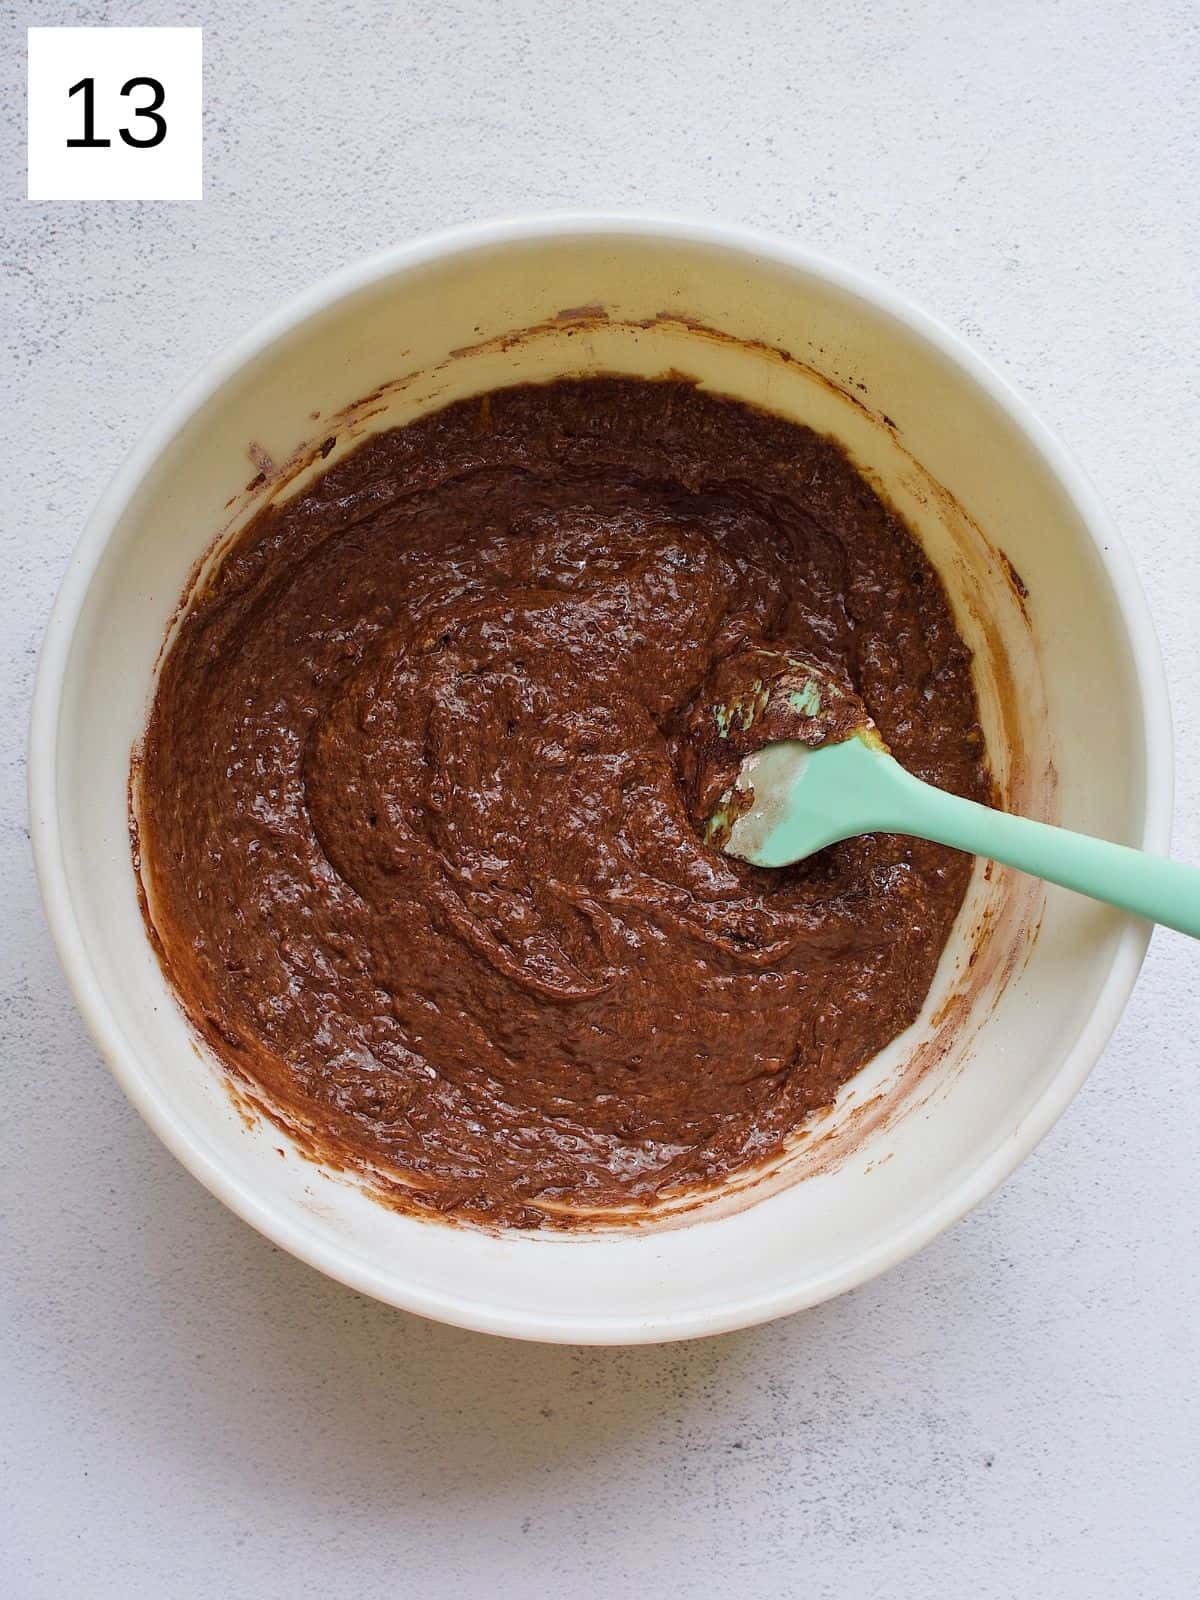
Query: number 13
x=90, y=141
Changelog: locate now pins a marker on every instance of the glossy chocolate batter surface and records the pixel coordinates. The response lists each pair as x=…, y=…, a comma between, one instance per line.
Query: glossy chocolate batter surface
x=420, y=815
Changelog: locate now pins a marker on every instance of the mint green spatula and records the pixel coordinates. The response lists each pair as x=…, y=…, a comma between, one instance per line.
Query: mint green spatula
x=794, y=796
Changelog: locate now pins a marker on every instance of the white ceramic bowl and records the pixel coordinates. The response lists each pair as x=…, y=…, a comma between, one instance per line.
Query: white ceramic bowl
x=1069, y=680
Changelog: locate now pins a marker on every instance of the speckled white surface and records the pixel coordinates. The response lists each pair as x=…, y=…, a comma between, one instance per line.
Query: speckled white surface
x=188, y=1412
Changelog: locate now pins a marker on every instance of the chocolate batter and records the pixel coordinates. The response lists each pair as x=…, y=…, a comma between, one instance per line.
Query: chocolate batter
x=420, y=821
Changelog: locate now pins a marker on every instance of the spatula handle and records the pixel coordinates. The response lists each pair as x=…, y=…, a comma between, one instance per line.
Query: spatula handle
x=1150, y=886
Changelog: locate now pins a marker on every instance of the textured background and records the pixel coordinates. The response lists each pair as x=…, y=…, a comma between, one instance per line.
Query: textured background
x=188, y=1412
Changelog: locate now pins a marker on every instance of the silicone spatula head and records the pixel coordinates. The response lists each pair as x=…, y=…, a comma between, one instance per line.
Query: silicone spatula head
x=764, y=711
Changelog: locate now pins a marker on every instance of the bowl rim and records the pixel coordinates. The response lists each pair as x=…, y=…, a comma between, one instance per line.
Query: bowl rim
x=274, y=1221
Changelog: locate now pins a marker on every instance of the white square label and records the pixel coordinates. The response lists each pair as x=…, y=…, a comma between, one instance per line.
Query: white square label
x=115, y=114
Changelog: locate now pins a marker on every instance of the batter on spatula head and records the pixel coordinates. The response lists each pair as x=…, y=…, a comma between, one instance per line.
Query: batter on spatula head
x=753, y=698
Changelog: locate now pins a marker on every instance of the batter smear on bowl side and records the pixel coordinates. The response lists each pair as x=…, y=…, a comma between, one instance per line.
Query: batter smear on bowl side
x=420, y=814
